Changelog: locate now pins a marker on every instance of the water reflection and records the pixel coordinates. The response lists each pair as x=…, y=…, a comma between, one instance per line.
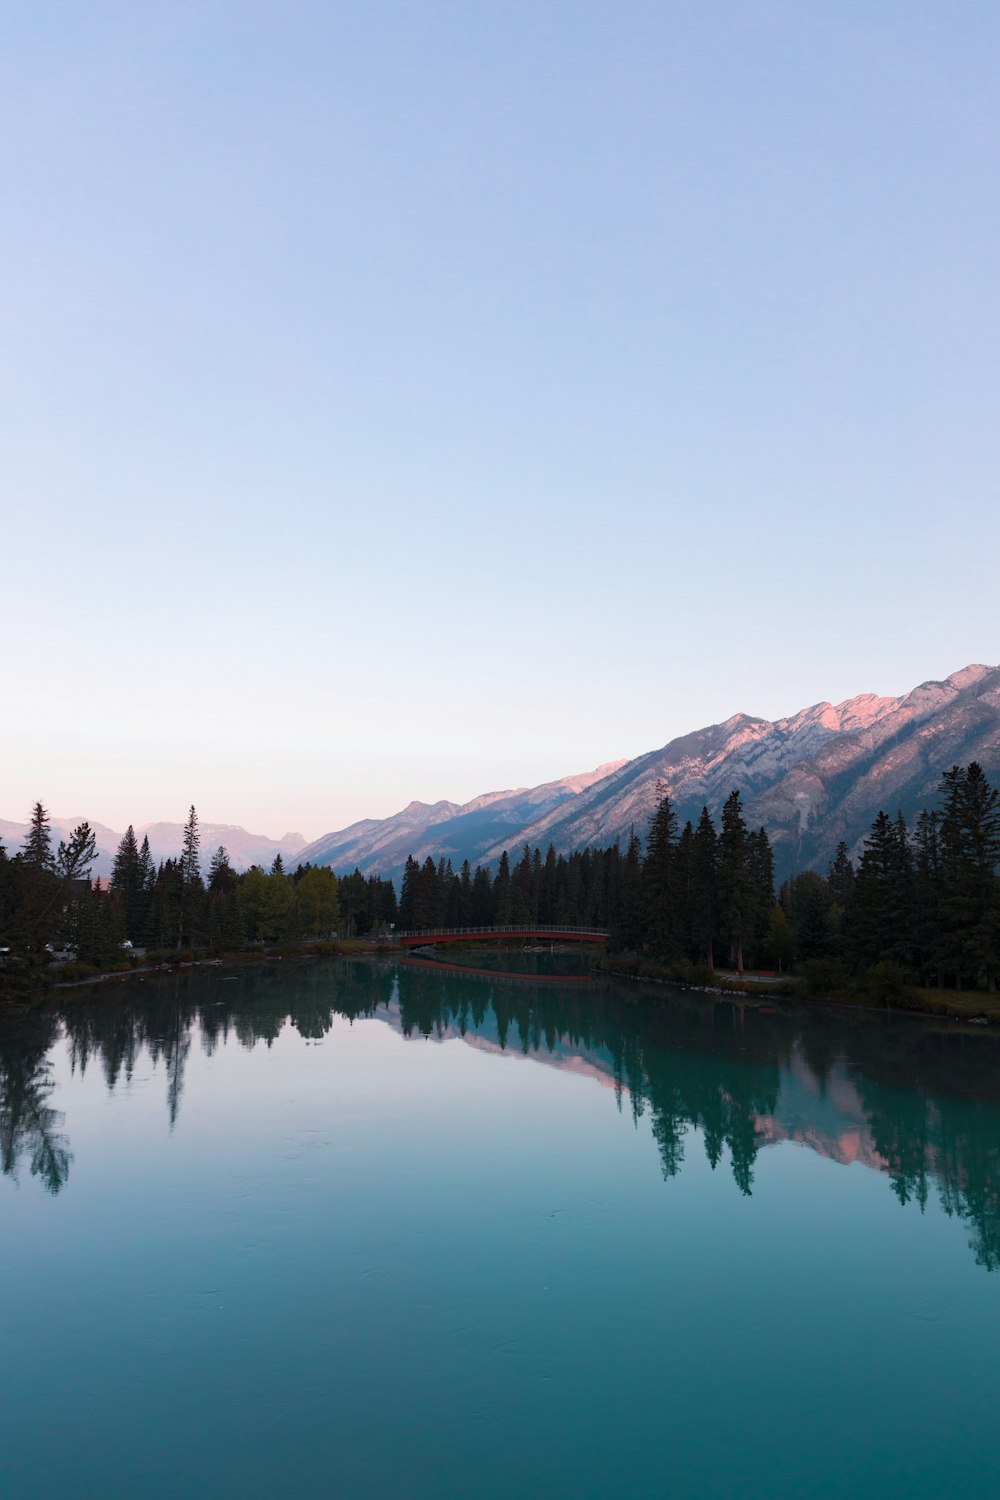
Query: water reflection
x=29, y=1126
x=519, y=978
x=914, y=1101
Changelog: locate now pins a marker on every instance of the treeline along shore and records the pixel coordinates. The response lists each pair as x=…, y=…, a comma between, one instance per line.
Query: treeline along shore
x=919, y=909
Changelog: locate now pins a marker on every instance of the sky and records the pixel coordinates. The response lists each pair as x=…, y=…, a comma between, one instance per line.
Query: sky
x=414, y=399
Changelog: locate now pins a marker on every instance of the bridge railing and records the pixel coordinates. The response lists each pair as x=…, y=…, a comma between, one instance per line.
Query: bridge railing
x=534, y=929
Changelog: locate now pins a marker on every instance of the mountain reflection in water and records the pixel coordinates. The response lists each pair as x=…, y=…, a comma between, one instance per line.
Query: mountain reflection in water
x=916, y=1101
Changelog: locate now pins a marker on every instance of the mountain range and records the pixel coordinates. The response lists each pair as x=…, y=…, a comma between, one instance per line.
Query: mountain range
x=813, y=779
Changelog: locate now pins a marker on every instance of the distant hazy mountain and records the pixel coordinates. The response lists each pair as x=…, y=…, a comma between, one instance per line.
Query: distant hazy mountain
x=12, y=836
x=245, y=849
x=812, y=780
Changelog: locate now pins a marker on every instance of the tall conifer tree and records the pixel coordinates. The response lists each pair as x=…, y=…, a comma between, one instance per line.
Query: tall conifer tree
x=128, y=885
x=659, y=878
x=191, y=884
x=37, y=848
x=408, y=895
x=190, y=859
x=502, y=895
x=735, y=883
x=705, y=888
x=630, y=921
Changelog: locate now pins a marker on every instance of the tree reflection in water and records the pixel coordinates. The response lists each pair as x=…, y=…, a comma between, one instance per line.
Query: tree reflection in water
x=29, y=1126
x=914, y=1100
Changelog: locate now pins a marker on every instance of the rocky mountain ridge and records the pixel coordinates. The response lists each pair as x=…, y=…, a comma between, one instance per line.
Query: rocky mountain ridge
x=812, y=779
x=423, y=829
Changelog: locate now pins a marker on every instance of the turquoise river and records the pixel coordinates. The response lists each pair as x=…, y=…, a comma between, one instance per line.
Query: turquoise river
x=379, y=1229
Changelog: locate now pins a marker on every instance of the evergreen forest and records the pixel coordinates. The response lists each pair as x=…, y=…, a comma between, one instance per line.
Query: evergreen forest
x=919, y=906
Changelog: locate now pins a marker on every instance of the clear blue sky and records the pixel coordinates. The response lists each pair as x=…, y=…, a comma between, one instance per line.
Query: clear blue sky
x=411, y=399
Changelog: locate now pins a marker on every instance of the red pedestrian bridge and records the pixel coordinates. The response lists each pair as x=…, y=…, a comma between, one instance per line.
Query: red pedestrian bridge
x=536, y=933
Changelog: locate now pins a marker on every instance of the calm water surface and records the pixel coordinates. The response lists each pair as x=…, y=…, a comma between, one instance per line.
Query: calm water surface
x=359, y=1230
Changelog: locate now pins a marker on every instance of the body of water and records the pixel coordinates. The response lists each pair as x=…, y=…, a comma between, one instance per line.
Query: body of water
x=373, y=1229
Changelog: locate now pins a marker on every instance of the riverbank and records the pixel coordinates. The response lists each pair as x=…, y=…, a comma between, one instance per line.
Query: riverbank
x=35, y=986
x=961, y=1005
x=27, y=985
x=972, y=1006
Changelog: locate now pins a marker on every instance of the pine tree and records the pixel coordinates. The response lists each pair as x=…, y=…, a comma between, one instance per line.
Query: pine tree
x=547, y=891
x=840, y=876
x=927, y=895
x=166, y=905
x=278, y=864
x=465, y=899
x=127, y=885
x=596, y=905
x=37, y=848
x=74, y=860
x=705, y=888
x=428, y=897
x=225, y=927
x=353, y=902
x=445, y=884
x=840, y=880
x=735, y=884
x=630, y=922
x=147, y=882
x=760, y=866
x=385, y=905
x=808, y=902
x=571, y=888
x=502, y=897
x=970, y=851
x=522, y=898
x=147, y=870
x=981, y=814
x=880, y=918
x=453, y=917
x=408, y=895
x=954, y=893
x=125, y=871
x=222, y=877
x=190, y=862
x=97, y=926
x=481, y=899
x=191, y=882
x=684, y=892
x=659, y=885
